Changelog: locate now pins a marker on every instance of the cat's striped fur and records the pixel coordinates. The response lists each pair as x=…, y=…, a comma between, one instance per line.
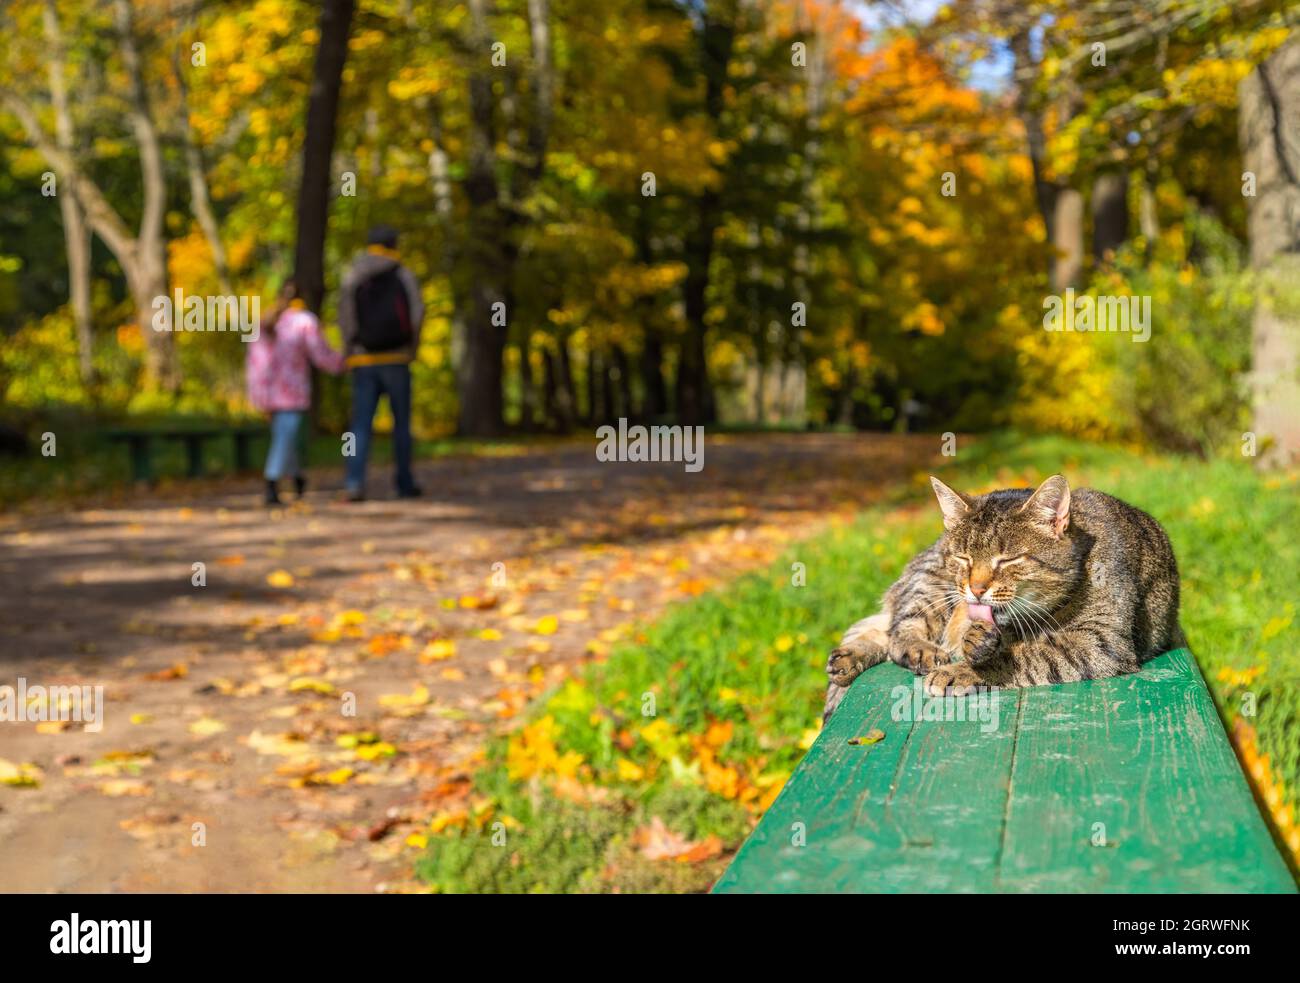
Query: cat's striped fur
x=1081, y=586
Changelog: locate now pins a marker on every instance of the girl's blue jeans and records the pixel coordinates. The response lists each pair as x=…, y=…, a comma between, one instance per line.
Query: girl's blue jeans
x=282, y=458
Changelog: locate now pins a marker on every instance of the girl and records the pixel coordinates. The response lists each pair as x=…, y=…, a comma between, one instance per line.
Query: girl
x=279, y=381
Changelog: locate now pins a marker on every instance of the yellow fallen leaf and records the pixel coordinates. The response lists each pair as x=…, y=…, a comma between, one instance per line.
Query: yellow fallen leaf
x=452, y=673
x=548, y=625
x=20, y=775
x=310, y=683
x=118, y=787
x=418, y=698
x=438, y=649
x=490, y=635
x=52, y=726
x=206, y=727
x=630, y=771
x=142, y=718
x=280, y=578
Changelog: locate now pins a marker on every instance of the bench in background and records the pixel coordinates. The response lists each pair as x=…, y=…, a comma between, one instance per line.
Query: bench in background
x=940, y=806
x=141, y=445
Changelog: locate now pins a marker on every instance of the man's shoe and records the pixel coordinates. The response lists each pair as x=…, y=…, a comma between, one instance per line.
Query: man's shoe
x=299, y=485
x=353, y=495
x=272, y=495
x=415, y=491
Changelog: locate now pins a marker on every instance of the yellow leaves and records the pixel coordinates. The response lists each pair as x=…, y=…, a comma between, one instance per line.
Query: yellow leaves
x=285, y=745
x=119, y=787
x=547, y=625
x=629, y=771
x=310, y=684
x=1276, y=625
x=416, y=699
x=1238, y=678
x=490, y=635
x=280, y=578
x=25, y=775
x=533, y=751
x=206, y=727
x=439, y=649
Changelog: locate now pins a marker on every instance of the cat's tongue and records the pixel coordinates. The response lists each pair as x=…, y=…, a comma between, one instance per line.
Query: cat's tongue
x=980, y=612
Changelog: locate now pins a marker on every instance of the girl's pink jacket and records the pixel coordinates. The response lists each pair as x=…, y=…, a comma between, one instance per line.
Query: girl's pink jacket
x=279, y=368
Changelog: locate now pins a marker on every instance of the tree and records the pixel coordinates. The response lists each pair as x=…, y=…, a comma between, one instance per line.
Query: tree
x=318, y=149
x=1270, y=142
x=76, y=234
x=142, y=256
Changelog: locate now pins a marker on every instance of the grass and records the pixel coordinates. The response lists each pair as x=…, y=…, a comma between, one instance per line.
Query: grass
x=700, y=720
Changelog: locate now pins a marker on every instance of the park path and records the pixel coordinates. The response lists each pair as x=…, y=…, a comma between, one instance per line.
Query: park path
x=228, y=759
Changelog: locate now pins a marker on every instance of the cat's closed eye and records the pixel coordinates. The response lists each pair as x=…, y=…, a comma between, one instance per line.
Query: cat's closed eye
x=1006, y=561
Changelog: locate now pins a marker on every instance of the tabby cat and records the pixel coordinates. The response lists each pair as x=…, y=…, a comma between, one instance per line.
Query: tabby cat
x=1023, y=589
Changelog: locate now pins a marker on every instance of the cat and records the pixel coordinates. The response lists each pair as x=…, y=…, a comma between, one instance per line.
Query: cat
x=1022, y=589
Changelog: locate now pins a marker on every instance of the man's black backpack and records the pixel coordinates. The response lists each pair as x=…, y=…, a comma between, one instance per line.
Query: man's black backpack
x=383, y=317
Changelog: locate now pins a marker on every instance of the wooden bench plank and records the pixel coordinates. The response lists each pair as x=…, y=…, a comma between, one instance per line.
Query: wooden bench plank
x=1146, y=756
x=957, y=805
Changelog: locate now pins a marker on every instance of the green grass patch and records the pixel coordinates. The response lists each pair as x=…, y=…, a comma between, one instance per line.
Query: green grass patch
x=699, y=721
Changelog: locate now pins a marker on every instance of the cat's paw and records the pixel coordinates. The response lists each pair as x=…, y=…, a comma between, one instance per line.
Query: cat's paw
x=957, y=679
x=844, y=666
x=918, y=655
x=980, y=641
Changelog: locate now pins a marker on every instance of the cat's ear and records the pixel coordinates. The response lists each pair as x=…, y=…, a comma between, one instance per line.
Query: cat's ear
x=1048, y=507
x=953, y=505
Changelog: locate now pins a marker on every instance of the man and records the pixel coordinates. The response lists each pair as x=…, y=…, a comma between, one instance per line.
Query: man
x=380, y=313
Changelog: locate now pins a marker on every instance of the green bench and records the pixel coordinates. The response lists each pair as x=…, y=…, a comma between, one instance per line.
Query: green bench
x=1112, y=785
x=140, y=442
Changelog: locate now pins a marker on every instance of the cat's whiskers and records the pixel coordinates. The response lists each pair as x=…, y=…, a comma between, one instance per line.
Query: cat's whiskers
x=1041, y=611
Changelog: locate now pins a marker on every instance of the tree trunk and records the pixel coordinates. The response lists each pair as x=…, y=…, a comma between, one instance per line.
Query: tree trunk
x=1109, y=214
x=694, y=400
x=161, y=369
x=1270, y=142
x=318, y=149
x=76, y=234
x=1067, y=239
x=1148, y=214
x=481, y=403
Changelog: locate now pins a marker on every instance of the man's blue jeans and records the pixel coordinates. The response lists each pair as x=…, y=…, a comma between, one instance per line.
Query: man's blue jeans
x=369, y=382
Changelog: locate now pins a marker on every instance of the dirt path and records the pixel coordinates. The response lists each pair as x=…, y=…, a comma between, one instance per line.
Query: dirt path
x=290, y=725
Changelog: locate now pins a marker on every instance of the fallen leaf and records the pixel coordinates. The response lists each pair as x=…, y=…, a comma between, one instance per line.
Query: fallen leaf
x=206, y=727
